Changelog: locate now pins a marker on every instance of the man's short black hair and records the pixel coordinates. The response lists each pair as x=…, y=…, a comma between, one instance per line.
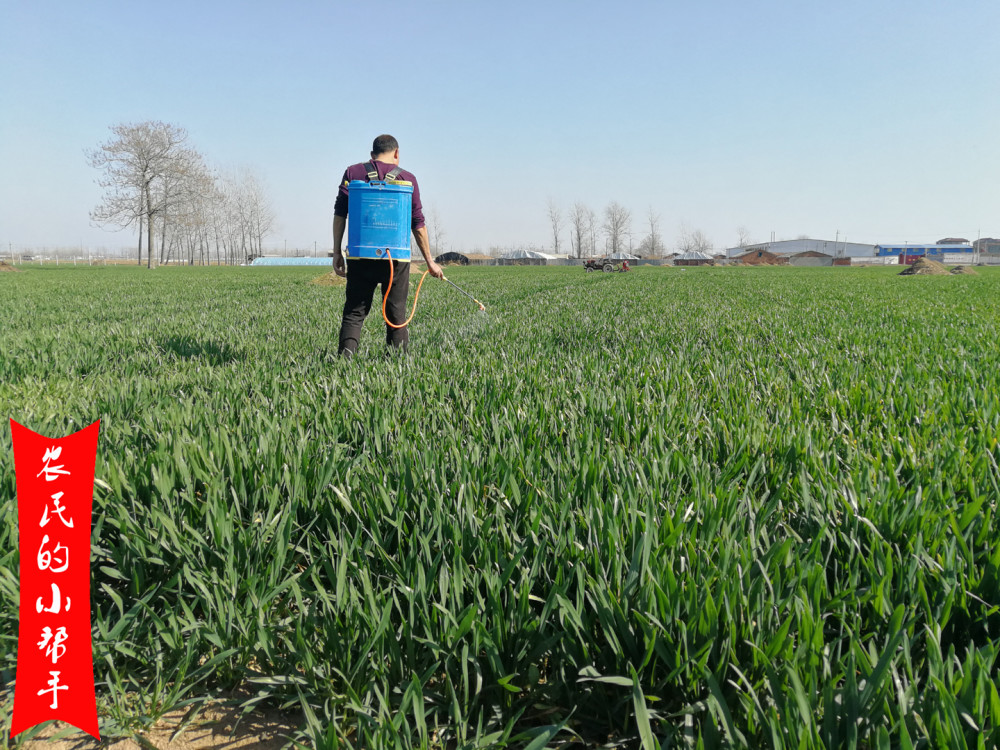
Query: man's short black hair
x=384, y=144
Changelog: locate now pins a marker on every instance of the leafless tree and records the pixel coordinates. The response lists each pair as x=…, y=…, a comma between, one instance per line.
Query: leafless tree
x=190, y=221
x=556, y=221
x=253, y=209
x=694, y=241
x=743, y=236
x=436, y=232
x=592, y=231
x=141, y=165
x=652, y=245
x=155, y=180
x=578, y=218
x=617, y=223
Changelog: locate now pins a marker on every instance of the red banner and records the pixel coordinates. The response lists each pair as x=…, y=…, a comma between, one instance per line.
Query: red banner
x=55, y=662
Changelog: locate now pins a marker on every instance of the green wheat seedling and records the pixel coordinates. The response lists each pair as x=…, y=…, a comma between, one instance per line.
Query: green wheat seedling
x=719, y=508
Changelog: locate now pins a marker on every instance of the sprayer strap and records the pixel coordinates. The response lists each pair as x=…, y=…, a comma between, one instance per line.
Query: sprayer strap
x=372, y=171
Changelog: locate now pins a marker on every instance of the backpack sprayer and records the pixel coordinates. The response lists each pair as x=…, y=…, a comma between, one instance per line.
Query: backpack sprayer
x=379, y=213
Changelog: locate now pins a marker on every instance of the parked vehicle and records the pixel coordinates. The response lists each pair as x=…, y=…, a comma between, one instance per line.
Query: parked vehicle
x=607, y=265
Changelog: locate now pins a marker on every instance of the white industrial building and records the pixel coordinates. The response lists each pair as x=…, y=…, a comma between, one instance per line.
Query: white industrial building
x=832, y=248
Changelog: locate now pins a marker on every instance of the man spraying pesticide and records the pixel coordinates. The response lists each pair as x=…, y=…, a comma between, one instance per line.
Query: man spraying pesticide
x=378, y=204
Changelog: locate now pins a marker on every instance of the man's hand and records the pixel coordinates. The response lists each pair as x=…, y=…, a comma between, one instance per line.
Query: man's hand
x=435, y=270
x=339, y=227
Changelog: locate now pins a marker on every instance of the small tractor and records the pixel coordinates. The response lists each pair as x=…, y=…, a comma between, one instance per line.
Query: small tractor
x=607, y=265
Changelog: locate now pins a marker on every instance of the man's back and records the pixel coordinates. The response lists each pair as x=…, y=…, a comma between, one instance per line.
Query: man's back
x=360, y=172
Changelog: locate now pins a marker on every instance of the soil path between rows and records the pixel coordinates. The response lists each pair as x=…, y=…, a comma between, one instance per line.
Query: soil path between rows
x=215, y=727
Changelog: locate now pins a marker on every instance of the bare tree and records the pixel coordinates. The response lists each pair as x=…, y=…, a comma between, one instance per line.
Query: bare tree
x=652, y=245
x=239, y=216
x=255, y=210
x=694, y=241
x=436, y=232
x=191, y=219
x=617, y=223
x=556, y=220
x=140, y=166
x=578, y=228
x=592, y=231
x=743, y=236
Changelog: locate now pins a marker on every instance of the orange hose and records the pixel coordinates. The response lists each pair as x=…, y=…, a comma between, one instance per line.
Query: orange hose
x=385, y=296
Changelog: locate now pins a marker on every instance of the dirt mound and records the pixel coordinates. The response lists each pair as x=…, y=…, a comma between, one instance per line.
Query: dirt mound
x=964, y=270
x=329, y=279
x=763, y=259
x=925, y=267
x=5, y=267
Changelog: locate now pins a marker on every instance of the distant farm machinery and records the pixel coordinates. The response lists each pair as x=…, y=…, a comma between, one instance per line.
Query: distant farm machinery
x=607, y=265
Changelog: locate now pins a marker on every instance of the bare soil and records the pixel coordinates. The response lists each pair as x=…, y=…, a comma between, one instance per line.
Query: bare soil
x=216, y=727
x=329, y=279
x=5, y=267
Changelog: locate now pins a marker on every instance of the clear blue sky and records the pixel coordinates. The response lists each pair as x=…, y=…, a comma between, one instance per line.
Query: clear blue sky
x=877, y=118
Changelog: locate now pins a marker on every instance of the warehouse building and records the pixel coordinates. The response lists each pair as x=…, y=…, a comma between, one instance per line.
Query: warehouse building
x=788, y=248
x=945, y=252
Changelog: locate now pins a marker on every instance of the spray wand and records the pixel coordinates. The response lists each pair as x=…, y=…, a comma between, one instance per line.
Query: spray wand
x=482, y=307
x=385, y=298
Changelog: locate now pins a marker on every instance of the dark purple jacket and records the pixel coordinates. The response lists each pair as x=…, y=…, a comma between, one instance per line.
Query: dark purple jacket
x=360, y=172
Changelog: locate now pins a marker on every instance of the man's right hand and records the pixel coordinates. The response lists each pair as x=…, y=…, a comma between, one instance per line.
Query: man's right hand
x=339, y=265
x=435, y=270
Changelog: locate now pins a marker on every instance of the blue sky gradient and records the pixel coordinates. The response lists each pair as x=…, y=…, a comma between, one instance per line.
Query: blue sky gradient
x=877, y=119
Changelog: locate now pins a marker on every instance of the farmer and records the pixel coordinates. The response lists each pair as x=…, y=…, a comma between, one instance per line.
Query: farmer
x=364, y=274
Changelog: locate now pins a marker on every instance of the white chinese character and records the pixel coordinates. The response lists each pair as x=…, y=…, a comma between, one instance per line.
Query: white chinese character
x=45, y=557
x=53, y=687
x=56, y=607
x=55, y=649
x=51, y=472
x=58, y=510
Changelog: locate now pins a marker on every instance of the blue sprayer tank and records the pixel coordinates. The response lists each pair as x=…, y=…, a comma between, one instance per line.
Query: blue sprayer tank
x=378, y=219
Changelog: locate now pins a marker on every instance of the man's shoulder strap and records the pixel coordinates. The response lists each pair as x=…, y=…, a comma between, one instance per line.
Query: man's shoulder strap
x=372, y=171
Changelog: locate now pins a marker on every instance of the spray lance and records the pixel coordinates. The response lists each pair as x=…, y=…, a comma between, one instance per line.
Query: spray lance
x=385, y=298
x=482, y=307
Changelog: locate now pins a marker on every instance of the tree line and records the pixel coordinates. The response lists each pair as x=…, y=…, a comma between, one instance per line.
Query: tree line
x=615, y=228
x=156, y=181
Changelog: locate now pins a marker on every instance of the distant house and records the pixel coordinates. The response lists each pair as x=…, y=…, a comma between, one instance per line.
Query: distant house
x=987, y=245
x=694, y=258
x=952, y=241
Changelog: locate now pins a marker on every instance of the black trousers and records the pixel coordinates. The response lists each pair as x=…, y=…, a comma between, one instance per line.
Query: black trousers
x=363, y=276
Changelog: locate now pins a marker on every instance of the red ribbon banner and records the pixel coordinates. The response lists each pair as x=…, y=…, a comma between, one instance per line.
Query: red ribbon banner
x=55, y=661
